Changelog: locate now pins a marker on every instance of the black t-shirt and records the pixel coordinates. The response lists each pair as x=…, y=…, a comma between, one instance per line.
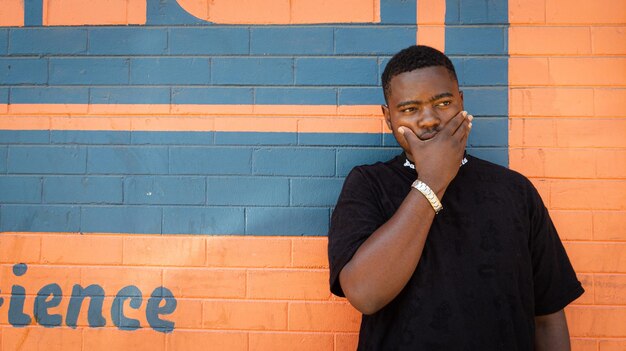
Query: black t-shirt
x=492, y=260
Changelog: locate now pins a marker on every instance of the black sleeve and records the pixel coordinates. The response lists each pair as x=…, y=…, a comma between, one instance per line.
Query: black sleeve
x=356, y=216
x=555, y=282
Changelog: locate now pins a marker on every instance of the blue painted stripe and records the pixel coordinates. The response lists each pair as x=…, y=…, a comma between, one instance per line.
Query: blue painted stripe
x=297, y=40
x=373, y=40
x=49, y=95
x=143, y=152
x=33, y=13
x=129, y=95
x=127, y=41
x=24, y=137
x=4, y=41
x=37, y=218
x=201, y=188
x=46, y=41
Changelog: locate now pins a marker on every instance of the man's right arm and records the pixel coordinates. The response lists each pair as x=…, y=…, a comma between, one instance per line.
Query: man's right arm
x=385, y=262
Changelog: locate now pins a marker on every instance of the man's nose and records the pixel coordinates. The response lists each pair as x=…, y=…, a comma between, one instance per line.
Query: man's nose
x=429, y=119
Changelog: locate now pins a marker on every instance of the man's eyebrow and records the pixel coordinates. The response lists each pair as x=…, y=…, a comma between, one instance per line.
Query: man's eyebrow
x=418, y=102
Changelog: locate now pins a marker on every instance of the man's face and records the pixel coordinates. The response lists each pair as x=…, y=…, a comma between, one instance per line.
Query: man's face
x=423, y=100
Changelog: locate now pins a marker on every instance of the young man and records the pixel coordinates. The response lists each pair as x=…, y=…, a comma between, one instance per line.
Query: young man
x=438, y=249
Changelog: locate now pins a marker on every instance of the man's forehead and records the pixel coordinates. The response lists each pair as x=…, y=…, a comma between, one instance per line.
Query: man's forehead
x=423, y=78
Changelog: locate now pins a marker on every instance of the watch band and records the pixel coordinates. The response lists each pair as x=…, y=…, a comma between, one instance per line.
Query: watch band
x=429, y=194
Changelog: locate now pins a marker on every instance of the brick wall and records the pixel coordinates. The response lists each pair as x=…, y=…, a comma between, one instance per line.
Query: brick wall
x=567, y=132
x=184, y=170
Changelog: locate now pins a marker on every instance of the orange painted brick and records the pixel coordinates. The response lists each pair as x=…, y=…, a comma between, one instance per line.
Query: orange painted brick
x=81, y=249
x=596, y=321
x=431, y=12
x=17, y=247
x=547, y=40
x=609, y=225
x=211, y=110
x=589, y=257
x=293, y=110
x=201, y=340
x=136, y=12
x=360, y=110
x=554, y=163
x=188, y=314
x=608, y=40
x=432, y=35
x=588, y=132
x=339, y=125
x=248, y=251
x=48, y=109
x=584, y=344
x=58, y=13
x=543, y=188
x=608, y=71
x=525, y=71
x=588, y=284
x=346, y=342
x=197, y=8
x=112, y=279
x=347, y=11
x=529, y=162
x=4, y=108
x=610, y=102
x=531, y=132
x=611, y=163
x=291, y=341
x=551, y=102
x=288, y=284
x=256, y=124
x=25, y=123
x=527, y=11
x=164, y=250
x=204, y=282
x=197, y=124
x=89, y=123
x=12, y=13
x=126, y=110
x=610, y=289
x=244, y=315
x=236, y=12
x=323, y=317
x=39, y=338
x=613, y=345
x=308, y=252
x=582, y=11
x=570, y=163
x=588, y=194
x=38, y=276
x=107, y=339
x=573, y=225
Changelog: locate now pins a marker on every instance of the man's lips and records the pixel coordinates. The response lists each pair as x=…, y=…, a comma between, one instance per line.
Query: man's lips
x=427, y=135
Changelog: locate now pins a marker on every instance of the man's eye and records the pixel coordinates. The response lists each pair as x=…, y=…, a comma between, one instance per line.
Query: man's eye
x=407, y=109
x=444, y=103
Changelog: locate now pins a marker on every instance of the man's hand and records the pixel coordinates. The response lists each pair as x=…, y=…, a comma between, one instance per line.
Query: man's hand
x=437, y=160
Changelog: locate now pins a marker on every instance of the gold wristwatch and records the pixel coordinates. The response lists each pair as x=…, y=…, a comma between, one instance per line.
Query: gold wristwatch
x=429, y=194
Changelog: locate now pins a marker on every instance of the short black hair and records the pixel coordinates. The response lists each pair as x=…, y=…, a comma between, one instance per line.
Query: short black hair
x=412, y=58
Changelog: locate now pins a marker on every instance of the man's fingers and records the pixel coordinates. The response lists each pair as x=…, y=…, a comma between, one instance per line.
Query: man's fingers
x=409, y=136
x=457, y=121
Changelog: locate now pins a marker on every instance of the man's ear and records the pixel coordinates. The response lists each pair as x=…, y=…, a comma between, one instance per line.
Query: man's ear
x=385, y=110
x=461, y=95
